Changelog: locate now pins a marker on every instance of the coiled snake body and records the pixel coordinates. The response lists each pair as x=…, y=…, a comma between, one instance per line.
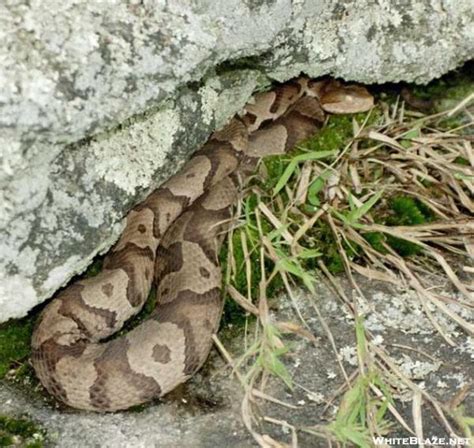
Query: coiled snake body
x=172, y=238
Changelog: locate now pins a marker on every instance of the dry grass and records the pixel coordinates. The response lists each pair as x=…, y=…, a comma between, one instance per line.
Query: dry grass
x=351, y=196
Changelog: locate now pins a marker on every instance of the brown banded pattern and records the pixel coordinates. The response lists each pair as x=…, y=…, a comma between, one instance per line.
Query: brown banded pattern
x=172, y=238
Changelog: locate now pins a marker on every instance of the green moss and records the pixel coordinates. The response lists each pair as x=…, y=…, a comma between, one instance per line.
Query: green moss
x=6, y=440
x=376, y=240
x=402, y=211
x=20, y=432
x=408, y=211
x=335, y=134
x=403, y=247
x=15, y=337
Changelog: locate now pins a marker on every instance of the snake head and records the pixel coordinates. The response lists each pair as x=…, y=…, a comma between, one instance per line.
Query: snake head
x=337, y=98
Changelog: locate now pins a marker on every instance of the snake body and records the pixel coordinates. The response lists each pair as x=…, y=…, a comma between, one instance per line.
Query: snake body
x=173, y=239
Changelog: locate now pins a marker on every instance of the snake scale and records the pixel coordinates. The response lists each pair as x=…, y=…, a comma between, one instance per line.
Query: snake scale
x=172, y=239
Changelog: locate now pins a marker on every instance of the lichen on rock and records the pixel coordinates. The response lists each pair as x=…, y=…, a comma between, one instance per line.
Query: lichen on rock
x=101, y=101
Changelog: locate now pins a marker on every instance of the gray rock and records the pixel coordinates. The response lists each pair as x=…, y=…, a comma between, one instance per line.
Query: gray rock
x=100, y=101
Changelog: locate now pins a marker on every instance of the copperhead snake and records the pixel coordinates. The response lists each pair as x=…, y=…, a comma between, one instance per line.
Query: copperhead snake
x=172, y=239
